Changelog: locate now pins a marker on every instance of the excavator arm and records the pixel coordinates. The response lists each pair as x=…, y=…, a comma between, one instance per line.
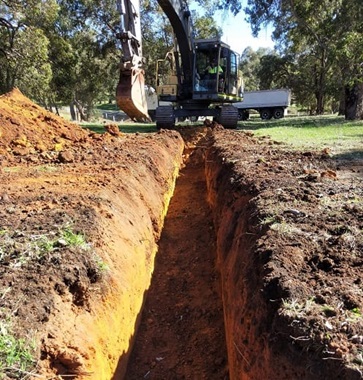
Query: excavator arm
x=179, y=16
x=130, y=92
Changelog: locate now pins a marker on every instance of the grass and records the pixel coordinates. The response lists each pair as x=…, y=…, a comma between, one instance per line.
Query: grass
x=125, y=127
x=283, y=228
x=358, y=358
x=46, y=168
x=13, y=169
x=70, y=238
x=16, y=354
x=343, y=138
x=313, y=132
x=19, y=248
x=293, y=308
x=108, y=107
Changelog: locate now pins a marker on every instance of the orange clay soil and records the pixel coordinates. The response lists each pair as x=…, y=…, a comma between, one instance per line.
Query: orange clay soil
x=255, y=273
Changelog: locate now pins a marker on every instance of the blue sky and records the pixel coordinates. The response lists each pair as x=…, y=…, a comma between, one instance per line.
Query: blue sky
x=237, y=32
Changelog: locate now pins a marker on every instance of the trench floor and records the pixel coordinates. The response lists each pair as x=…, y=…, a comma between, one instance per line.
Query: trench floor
x=181, y=333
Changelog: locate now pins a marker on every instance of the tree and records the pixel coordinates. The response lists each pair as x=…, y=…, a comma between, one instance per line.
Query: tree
x=275, y=71
x=84, y=54
x=350, y=56
x=250, y=64
x=316, y=33
x=24, y=47
x=234, y=6
x=206, y=27
x=58, y=50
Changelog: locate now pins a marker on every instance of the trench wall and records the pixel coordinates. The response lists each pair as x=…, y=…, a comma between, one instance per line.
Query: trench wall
x=95, y=343
x=242, y=303
x=248, y=312
x=258, y=341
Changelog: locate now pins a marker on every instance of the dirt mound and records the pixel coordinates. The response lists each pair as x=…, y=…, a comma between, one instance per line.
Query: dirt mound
x=78, y=211
x=26, y=128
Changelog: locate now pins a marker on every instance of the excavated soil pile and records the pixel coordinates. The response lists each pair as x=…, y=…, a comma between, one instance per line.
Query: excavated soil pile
x=29, y=131
x=82, y=216
x=79, y=225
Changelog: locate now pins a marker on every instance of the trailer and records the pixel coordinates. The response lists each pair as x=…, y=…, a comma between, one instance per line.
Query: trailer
x=268, y=103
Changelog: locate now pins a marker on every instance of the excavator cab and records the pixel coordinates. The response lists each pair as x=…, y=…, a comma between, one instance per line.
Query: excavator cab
x=216, y=71
x=209, y=88
x=167, y=81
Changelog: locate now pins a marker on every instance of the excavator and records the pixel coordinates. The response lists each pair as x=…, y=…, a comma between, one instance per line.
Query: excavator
x=194, y=87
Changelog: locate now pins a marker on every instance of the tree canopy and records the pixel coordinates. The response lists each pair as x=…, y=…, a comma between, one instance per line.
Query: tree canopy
x=67, y=51
x=322, y=51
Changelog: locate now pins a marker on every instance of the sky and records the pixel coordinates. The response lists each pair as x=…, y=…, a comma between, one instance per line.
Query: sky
x=237, y=33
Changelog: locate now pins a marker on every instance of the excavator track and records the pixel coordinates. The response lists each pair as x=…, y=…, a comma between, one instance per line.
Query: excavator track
x=130, y=95
x=165, y=117
x=228, y=117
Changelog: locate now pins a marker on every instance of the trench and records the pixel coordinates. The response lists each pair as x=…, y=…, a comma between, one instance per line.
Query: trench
x=209, y=312
x=181, y=333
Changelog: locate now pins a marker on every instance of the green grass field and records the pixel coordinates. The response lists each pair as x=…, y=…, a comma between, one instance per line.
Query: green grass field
x=312, y=132
x=126, y=127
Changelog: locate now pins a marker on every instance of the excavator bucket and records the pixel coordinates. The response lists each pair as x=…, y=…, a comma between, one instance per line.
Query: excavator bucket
x=130, y=95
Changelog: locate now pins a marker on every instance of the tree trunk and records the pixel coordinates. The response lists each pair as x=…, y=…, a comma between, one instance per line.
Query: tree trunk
x=341, y=111
x=319, y=75
x=359, y=112
x=80, y=109
x=354, y=102
x=319, y=102
x=56, y=109
x=72, y=111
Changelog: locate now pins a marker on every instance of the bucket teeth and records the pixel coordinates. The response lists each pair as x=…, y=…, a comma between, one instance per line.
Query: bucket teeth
x=130, y=95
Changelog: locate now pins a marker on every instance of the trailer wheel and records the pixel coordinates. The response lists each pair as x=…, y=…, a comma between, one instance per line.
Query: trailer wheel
x=278, y=113
x=265, y=114
x=243, y=114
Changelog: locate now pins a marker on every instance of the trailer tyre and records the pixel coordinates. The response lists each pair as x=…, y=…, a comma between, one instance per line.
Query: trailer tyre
x=265, y=114
x=278, y=113
x=243, y=114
